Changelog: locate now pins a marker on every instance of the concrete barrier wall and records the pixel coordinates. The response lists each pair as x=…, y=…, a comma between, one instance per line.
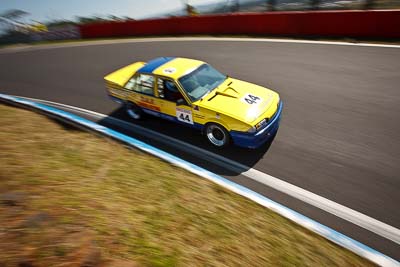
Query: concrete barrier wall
x=367, y=24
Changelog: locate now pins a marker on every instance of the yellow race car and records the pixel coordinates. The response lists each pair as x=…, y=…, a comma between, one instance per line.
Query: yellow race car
x=193, y=93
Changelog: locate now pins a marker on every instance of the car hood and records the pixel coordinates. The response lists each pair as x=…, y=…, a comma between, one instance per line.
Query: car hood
x=241, y=100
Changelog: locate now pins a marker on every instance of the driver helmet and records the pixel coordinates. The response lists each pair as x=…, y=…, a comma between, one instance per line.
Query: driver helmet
x=171, y=86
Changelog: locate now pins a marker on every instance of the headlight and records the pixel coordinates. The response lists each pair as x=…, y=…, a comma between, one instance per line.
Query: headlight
x=261, y=124
x=252, y=130
x=258, y=126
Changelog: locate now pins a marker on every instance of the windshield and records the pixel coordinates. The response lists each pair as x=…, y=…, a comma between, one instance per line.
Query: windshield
x=201, y=81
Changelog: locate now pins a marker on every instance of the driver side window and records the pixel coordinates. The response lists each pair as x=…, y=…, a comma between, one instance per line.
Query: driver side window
x=168, y=90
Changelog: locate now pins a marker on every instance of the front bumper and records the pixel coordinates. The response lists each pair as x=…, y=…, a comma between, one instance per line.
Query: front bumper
x=254, y=140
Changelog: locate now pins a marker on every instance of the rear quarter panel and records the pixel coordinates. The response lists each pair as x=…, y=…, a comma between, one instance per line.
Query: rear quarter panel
x=116, y=80
x=121, y=76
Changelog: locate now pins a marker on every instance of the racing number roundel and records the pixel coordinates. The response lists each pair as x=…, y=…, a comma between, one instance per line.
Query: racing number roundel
x=184, y=115
x=169, y=70
x=251, y=99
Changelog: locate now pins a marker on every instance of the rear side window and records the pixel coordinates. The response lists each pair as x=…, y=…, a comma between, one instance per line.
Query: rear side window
x=141, y=83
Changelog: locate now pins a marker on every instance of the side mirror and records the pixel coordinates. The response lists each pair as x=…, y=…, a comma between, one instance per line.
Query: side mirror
x=181, y=102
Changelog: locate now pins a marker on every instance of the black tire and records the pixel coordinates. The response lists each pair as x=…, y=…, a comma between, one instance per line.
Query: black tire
x=217, y=135
x=133, y=111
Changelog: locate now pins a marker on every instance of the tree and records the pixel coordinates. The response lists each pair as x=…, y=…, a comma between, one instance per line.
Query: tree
x=235, y=7
x=9, y=20
x=315, y=4
x=271, y=5
x=369, y=4
x=14, y=14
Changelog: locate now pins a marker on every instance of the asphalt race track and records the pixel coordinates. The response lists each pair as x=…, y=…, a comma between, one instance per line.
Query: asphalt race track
x=339, y=134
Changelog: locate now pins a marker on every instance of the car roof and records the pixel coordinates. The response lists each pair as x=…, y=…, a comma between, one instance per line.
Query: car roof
x=173, y=67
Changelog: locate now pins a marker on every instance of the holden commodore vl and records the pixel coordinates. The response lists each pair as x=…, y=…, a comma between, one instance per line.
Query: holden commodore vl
x=191, y=92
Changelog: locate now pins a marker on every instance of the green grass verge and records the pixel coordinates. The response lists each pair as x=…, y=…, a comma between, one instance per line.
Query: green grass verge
x=69, y=198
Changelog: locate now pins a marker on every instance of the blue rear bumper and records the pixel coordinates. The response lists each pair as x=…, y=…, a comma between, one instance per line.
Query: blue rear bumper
x=254, y=140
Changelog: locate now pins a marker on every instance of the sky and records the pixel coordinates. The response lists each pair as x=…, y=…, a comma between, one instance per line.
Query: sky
x=48, y=10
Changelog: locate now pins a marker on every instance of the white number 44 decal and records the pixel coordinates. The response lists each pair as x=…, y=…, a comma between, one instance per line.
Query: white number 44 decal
x=184, y=115
x=251, y=99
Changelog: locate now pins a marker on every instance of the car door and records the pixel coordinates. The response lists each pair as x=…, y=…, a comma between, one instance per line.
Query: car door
x=143, y=94
x=173, y=104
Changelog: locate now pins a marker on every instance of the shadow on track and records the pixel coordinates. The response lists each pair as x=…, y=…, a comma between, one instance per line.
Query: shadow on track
x=247, y=157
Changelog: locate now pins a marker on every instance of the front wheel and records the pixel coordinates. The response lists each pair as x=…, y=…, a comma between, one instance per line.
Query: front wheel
x=134, y=111
x=217, y=135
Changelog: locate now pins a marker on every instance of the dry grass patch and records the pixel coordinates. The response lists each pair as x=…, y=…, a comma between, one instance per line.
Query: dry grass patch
x=69, y=198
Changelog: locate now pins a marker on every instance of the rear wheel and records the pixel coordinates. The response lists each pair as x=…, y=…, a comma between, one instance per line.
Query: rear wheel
x=217, y=135
x=134, y=111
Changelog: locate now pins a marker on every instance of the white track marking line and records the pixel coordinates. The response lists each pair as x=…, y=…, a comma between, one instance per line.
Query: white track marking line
x=362, y=220
x=183, y=39
x=380, y=228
